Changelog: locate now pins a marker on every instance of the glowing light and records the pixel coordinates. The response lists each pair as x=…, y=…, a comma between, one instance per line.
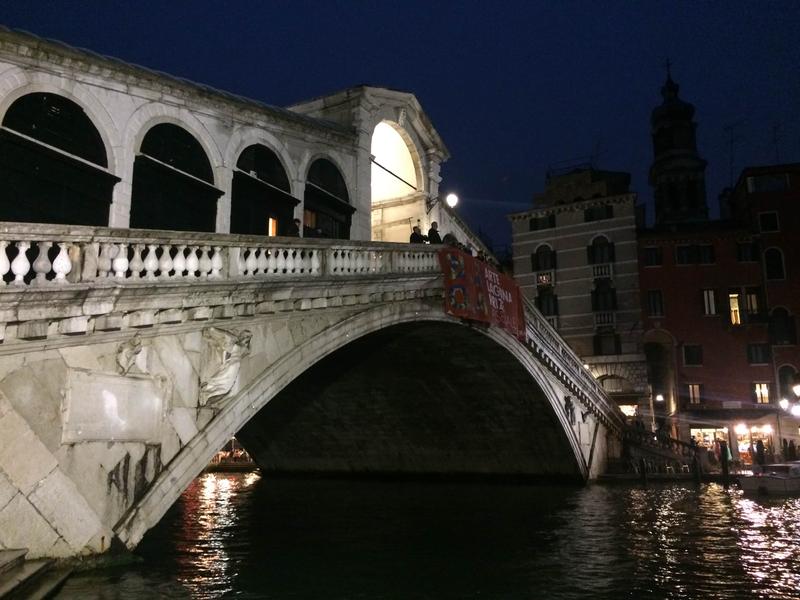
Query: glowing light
x=586, y=365
x=795, y=410
x=784, y=403
x=741, y=429
x=629, y=410
x=796, y=389
x=659, y=397
x=766, y=429
x=452, y=200
x=392, y=152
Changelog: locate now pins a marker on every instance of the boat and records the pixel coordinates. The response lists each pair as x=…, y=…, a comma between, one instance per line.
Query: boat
x=776, y=479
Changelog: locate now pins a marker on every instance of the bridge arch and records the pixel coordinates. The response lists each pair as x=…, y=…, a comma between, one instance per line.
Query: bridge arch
x=264, y=386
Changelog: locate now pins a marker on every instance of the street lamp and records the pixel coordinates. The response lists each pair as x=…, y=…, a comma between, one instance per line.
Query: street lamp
x=796, y=385
x=451, y=200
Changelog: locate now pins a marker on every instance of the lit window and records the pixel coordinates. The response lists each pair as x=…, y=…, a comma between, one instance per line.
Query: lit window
x=761, y=391
x=272, y=227
x=695, y=393
x=709, y=303
x=736, y=317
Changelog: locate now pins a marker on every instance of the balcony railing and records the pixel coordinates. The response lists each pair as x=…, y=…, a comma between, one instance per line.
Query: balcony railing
x=36, y=255
x=603, y=271
x=546, y=277
x=604, y=318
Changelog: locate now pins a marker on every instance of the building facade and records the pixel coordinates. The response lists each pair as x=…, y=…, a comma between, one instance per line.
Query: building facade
x=575, y=257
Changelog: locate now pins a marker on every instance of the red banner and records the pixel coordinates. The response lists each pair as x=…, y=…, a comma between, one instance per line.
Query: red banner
x=476, y=291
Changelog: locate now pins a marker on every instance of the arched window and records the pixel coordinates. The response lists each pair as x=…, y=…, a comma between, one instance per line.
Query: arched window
x=601, y=251
x=773, y=263
x=327, y=210
x=261, y=202
x=173, y=183
x=781, y=327
x=544, y=259
x=53, y=164
x=786, y=379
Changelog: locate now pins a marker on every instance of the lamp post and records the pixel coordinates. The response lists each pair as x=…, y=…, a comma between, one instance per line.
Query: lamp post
x=451, y=200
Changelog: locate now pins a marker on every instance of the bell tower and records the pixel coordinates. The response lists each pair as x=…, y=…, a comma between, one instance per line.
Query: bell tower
x=677, y=173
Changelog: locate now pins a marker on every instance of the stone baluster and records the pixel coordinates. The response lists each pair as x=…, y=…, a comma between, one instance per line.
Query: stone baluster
x=5, y=265
x=104, y=260
x=179, y=261
x=165, y=262
x=216, y=263
x=42, y=265
x=204, y=262
x=336, y=260
x=359, y=261
x=20, y=265
x=192, y=263
x=62, y=265
x=151, y=262
x=262, y=263
x=272, y=261
x=120, y=262
x=292, y=261
x=250, y=263
x=316, y=261
x=281, y=263
x=303, y=258
x=240, y=262
x=137, y=264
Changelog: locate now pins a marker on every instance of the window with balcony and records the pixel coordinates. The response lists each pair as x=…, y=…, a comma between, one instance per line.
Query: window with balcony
x=604, y=296
x=601, y=251
x=709, y=302
x=543, y=263
x=761, y=393
x=606, y=343
x=695, y=393
x=652, y=256
x=655, y=303
x=768, y=222
x=692, y=355
x=773, y=264
x=781, y=328
x=598, y=213
x=545, y=222
x=758, y=354
x=547, y=302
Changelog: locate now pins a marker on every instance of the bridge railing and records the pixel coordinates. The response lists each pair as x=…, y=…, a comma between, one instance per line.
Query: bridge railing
x=36, y=254
x=541, y=333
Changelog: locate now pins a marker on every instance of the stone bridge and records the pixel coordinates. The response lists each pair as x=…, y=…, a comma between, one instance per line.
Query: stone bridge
x=129, y=357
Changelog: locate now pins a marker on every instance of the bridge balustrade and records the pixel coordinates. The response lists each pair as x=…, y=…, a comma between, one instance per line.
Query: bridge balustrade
x=32, y=254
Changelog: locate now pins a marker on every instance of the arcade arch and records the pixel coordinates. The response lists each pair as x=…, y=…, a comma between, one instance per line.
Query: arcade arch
x=327, y=210
x=261, y=200
x=173, y=182
x=53, y=163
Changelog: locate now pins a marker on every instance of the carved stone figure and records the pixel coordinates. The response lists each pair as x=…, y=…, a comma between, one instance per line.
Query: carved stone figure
x=126, y=354
x=224, y=353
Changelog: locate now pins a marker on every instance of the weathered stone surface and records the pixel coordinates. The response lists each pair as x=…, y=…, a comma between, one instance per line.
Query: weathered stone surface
x=23, y=457
x=21, y=526
x=7, y=491
x=183, y=421
x=172, y=361
x=58, y=500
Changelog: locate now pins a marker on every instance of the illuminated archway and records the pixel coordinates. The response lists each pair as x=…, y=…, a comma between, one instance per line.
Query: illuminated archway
x=396, y=183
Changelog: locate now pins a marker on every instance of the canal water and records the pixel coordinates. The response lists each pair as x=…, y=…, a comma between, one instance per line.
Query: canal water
x=246, y=536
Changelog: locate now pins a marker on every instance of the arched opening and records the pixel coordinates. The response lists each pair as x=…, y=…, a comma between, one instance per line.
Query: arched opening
x=544, y=259
x=396, y=191
x=53, y=164
x=261, y=200
x=600, y=251
x=782, y=327
x=327, y=211
x=773, y=264
x=786, y=379
x=173, y=183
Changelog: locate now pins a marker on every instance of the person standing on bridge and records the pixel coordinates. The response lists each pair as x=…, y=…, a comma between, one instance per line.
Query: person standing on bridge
x=433, y=234
x=416, y=236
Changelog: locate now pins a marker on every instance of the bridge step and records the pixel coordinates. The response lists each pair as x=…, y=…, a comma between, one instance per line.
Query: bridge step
x=11, y=558
x=30, y=579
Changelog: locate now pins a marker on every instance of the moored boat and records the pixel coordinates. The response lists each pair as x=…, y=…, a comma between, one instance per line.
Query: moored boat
x=775, y=479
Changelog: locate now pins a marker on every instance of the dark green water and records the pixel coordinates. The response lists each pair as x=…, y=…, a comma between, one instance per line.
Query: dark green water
x=244, y=536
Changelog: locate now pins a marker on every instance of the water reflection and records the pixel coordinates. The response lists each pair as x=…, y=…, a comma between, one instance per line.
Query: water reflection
x=238, y=535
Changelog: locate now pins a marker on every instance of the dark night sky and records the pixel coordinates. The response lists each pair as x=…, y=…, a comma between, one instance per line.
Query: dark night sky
x=512, y=87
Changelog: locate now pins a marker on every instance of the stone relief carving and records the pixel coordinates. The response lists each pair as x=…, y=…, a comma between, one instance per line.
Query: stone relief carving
x=127, y=353
x=224, y=353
